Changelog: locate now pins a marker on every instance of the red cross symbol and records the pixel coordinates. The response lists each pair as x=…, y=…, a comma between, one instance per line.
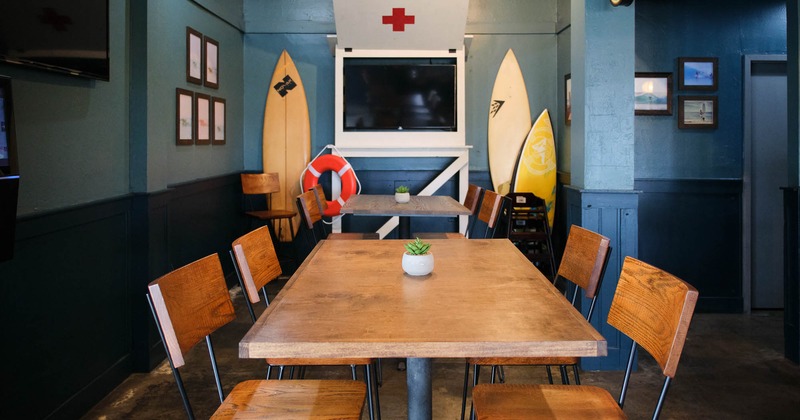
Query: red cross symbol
x=398, y=19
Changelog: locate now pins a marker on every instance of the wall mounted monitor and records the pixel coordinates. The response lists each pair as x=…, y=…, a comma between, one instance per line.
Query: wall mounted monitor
x=7, y=155
x=63, y=36
x=393, y=94
x=9, y=181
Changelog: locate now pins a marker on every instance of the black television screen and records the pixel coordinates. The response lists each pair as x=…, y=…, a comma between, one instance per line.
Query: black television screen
x=398, y=94
x=6, y=127
x=59, y=35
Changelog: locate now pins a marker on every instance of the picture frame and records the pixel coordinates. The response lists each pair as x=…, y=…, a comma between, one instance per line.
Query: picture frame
x=218, y=134
x=194, y=56
x=698, y=112
x=697, y=73
x=568, y=99
x=652, y=94
x=211, y=54
x=202, y=121
x=184, y=117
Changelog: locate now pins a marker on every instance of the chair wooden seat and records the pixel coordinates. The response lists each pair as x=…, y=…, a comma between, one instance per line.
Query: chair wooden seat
x=285, y=361
x=264, y=185
x=528, y=401
x=651, y=307
x=287, y=400
x=585, y=257
x=471, y=201
x=523, y=361
x=439, y=235
x=192, y=302
x=271, y=214
x=312, y=205
x=256, y=265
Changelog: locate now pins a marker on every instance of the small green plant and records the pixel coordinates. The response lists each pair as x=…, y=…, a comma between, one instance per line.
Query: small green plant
x=401, y=189
x=417, y=247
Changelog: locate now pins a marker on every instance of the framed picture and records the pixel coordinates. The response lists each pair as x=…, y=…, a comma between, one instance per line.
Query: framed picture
x=697, y=112
x=202, y=123
x=568, y=99
x=194, y=56
x=211, y=54
x=184, y=117
x=653, y=94
x=218, y=121
x=697, y=73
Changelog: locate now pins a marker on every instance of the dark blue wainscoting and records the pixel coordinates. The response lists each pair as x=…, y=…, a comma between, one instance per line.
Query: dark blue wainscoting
x=693, y=229
x=75, y=319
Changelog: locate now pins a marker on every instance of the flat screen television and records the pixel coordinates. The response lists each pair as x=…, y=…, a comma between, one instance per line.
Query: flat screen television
x=64, y=36
x=399, y=94
x=9, y=181
x=6, y=129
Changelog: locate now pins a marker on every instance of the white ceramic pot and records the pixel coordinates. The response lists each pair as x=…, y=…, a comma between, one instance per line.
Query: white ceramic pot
x=417, y=265
x=402, y=197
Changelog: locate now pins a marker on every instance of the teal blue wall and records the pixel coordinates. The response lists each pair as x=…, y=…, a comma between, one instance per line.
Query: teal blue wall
x=169, y=164
x=528, y=27
x=727, y=29
x=72, y=133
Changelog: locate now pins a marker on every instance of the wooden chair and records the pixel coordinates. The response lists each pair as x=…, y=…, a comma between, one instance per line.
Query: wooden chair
x=471, y=202
x=311, y=204
x=256, y=265
x=489, y=213
x=583, y=264
x=192, y=302
x=265, y=185
x=653, y=308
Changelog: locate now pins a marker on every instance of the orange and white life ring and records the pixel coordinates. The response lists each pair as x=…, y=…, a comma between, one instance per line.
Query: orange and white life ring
x=337, y=164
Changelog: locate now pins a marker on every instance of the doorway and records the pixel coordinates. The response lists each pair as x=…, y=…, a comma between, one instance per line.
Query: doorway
x=765, y=172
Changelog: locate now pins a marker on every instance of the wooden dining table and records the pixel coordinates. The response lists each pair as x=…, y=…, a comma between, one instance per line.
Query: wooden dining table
x=419, y=205
x=351, y=298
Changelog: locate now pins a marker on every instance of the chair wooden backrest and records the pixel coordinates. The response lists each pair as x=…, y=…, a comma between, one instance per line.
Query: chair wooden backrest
x=322, y=201
x=489, y=213
x=266, y=183
x=256, y=260
x=307, y=205
x=654, y=308
x=472, y=198
x=584, y=261
x=190, y=303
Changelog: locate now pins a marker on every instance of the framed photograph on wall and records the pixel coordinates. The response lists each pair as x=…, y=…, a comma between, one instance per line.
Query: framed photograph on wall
x=202, y=123
x=194, y=56
x=568, y=99
x=697, y=73
x=211, y=54
x=218, y=121
x=653, y=94
x=697, y=112
x=184, y=117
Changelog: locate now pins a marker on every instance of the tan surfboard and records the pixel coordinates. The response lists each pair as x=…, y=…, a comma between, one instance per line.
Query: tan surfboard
x=509, y=122
x=287, y=136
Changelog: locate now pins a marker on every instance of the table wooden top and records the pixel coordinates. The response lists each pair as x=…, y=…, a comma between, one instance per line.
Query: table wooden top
x=483, y=299
x=420, y=205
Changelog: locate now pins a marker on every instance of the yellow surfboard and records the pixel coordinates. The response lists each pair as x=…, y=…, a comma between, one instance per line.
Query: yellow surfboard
x=509, y=122
x=287, y=136
x=536, y=168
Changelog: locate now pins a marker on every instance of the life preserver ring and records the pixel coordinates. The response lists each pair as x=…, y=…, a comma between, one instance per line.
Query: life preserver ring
x=337, y=164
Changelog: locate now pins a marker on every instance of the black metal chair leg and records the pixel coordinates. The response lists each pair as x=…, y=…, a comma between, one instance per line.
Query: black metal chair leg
x=370, y=395
x=379, y=372
x=464, y=392
x=475, y=376
x=564, y=375
x=549, y=374
x=577, y=377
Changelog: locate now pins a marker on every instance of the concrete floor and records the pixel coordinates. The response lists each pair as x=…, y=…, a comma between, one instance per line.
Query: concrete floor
x=732, y=368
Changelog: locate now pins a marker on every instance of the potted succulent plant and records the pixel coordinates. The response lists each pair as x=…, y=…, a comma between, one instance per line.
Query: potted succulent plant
x=401, y=194
x=418, y=260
